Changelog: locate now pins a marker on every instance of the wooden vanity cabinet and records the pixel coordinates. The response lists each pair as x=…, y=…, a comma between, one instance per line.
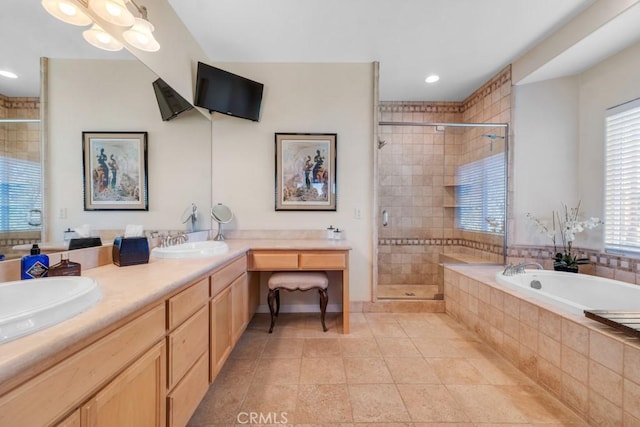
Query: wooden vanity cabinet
x=152, y=370
x=187, y=348
x=90, y=381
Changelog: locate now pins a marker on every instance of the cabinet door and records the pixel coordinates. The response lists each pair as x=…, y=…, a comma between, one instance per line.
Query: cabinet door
x=239, y=306
x=220, y=331
x=136, y=397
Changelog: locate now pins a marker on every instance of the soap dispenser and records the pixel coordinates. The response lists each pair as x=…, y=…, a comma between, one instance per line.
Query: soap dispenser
x=35, y=265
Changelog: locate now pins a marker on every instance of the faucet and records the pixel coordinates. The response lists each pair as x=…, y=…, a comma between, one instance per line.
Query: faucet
x=511, y=270
x=193, y=216
x=177, y=239
x=508, y=270
x=519, y=269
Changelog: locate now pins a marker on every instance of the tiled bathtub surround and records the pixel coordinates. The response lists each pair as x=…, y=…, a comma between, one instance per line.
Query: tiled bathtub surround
x=590, y=367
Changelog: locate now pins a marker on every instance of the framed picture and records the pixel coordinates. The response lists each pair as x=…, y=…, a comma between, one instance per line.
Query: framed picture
x=115, y=171
x=306, y=171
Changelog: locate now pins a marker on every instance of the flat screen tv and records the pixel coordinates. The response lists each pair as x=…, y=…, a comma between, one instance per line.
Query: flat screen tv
x=227, y=93
x=169, y=101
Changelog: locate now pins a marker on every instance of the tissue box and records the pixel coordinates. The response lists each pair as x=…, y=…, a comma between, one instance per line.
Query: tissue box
x=84, y=242
x=130, y=251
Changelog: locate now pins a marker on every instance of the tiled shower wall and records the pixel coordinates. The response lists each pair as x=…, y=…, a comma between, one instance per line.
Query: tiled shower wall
x=414, y=166
x=22, y=141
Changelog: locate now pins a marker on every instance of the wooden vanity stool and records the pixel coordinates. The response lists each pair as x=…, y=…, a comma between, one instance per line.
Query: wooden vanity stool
x=297, y=281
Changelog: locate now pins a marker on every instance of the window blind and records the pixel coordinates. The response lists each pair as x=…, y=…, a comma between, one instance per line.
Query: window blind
x=19, y=193
x=480, y=197
x=622, y=178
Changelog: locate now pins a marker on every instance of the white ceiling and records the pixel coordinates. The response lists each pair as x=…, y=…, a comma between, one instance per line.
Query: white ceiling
x=466, y=42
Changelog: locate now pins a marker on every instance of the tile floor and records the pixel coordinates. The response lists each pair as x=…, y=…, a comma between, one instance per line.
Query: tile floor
x=409, y=369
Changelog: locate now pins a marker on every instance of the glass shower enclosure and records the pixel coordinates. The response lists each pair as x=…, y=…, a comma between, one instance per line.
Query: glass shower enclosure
x=441, y=198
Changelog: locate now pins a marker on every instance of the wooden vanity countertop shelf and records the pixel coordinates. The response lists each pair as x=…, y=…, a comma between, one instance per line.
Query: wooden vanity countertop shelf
x=304, y=255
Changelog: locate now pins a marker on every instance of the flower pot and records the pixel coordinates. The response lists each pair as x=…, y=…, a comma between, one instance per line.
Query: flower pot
x=570, y=269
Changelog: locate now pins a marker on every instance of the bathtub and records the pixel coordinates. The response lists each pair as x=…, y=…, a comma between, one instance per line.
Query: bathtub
x=574, y=292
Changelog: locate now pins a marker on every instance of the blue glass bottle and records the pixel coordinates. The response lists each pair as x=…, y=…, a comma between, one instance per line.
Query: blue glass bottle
x=35, y=265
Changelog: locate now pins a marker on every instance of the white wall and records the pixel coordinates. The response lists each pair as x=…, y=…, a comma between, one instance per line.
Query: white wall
x=610, y=83
x=545, y=146
x=559, y=142
x=101, y=95
x=324, y=98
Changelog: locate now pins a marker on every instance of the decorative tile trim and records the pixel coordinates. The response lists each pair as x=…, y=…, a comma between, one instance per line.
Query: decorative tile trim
x=485, y=247
x=419, y=107
x=493, y=85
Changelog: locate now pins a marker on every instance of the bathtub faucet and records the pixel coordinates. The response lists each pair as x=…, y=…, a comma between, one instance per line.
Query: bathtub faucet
x=508, y=270
x=519, y=269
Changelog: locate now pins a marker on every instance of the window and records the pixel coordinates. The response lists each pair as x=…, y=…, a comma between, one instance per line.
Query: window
x=622, y=178
x=480, y=198
x=19, y=194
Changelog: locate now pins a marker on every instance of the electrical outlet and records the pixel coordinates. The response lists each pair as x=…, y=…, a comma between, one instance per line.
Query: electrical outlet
x=62, y=213
x=357, y=213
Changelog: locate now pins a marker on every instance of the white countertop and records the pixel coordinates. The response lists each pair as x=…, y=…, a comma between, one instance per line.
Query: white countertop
x=126, y=290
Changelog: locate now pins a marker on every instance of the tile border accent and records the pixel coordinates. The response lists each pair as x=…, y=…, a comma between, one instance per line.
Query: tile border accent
x=415, y=241
x=598, y=259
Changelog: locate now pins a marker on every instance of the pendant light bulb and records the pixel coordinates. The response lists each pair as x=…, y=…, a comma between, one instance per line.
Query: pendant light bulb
x=99, y=38
x=140, y=36
x=66, y=12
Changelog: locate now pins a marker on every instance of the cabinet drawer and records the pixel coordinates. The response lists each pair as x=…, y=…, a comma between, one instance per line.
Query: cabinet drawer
x=273, y=261
x=225, y=275
x=183, y=401
x=48, y=396
x=187, y=302
x=188, y=342
x=323, y=261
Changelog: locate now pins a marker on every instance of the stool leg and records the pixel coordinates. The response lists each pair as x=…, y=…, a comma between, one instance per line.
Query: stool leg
x=277, y=302
x=270, y=300
x=323, y=307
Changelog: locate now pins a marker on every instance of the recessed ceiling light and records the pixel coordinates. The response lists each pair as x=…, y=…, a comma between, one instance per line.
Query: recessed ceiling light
x=432, y=78
x=8, y=74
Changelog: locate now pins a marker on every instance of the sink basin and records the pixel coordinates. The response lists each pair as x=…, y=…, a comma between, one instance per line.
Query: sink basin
x=201, y=249
x=27, y=306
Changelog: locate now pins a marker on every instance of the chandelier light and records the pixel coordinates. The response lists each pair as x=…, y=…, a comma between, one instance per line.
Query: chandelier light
x=113, y=11
x=101, y=39
x=66, y=12
x=140, y=36
x=137, y=31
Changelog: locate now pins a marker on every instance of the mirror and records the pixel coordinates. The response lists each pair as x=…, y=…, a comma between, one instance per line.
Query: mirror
x=222, y=215
x=40, y=37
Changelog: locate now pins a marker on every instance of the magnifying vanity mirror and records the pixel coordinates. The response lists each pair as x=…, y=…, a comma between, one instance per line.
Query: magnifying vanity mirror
x=222, y=215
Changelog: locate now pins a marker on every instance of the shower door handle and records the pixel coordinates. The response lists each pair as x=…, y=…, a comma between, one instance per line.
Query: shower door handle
x=385, y=218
